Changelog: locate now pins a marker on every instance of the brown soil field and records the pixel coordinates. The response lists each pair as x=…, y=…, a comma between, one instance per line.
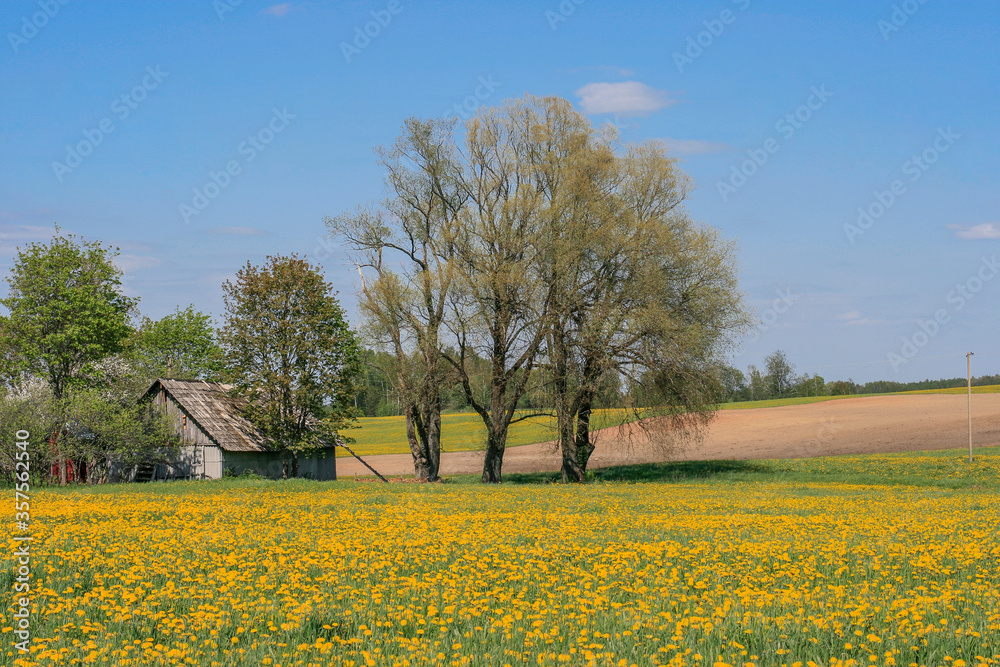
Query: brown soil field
x=877, y=424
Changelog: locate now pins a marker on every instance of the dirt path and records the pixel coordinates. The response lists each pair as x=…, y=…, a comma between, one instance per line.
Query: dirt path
x=850, y=426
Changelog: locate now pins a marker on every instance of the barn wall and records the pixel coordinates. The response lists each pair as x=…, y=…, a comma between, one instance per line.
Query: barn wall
x=190, y=432
x=187, y=465
x=200, y=458
x=214, y=460
x=271, y=464
x=319, y=466
x=194, y=462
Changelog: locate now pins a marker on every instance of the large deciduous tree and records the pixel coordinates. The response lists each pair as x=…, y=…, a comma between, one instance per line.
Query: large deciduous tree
x=66, y=311
x=643, y=296
x=290, y=353
x=68, y=326
x=510, y=173
x=780, y=375
x=407, y=246
x=181, y=345
x=581, y=258
x=538, y=249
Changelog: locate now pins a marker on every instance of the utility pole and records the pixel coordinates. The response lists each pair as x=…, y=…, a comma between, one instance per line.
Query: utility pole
x=968, y=362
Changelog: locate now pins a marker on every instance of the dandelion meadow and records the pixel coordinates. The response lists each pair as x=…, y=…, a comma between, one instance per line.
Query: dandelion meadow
x=759, y=564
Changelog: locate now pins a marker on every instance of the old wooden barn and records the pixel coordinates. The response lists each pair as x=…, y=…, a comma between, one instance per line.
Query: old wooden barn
x=218, y=440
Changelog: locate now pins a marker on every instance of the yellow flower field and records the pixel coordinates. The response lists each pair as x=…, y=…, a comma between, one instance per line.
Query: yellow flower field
x=689, y=573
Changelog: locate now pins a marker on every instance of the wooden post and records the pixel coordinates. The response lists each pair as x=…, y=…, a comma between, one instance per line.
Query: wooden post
x=365, y=463
x=968, y=361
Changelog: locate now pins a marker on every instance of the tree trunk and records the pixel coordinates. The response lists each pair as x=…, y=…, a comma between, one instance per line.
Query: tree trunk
x=432, y=421
x=564, y=405
x=423, y=469
x=497, y=422
x=493, y=462
x=584, y=446
x=572, y=471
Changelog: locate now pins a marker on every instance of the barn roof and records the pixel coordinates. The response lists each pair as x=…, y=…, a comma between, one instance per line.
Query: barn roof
x=216, y=411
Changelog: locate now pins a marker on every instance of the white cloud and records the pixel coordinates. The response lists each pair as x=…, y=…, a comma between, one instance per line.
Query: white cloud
x=46, y=213
x=277, y=10
x=987, y=230
x=627, y=98
x=692, y=146
x=853, y=318
x=133, y=263
x=236, y=231
x=26, y=232
x=617, y=71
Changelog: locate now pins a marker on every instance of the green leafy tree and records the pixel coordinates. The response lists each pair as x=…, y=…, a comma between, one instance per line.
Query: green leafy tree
x=813, y=385
x=27, y=407
x=406, y=247
x=640, y=291
x=734, y=383
x=66, y=311
x=104, y=437
x=67, y=314
x=537, y=260
x=501, y=301
x=780, y=375
x=376, y=396
x=290, y=353
x=181, y=345
x=841, y=388
x=757, y=384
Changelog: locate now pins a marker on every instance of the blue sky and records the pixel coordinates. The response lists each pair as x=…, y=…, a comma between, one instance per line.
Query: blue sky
x=789, y=116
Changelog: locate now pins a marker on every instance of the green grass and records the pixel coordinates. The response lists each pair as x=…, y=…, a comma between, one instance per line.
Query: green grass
x=803, y=400
x=949, y=468
x=988, y=389
x=782, y=402
x=464, y=431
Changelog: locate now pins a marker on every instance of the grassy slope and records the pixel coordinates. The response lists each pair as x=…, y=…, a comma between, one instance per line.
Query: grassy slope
x=464, y=431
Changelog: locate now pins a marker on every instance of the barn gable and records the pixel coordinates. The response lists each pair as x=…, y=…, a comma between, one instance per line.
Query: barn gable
x=218, y=414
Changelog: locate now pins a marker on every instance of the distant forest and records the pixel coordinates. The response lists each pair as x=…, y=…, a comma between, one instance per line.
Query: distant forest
x=888, y=386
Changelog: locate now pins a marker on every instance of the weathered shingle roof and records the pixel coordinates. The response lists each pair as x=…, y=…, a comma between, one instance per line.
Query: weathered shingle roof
x=219, y=414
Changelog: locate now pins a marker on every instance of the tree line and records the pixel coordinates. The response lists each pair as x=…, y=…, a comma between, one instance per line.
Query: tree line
x=778, y=380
